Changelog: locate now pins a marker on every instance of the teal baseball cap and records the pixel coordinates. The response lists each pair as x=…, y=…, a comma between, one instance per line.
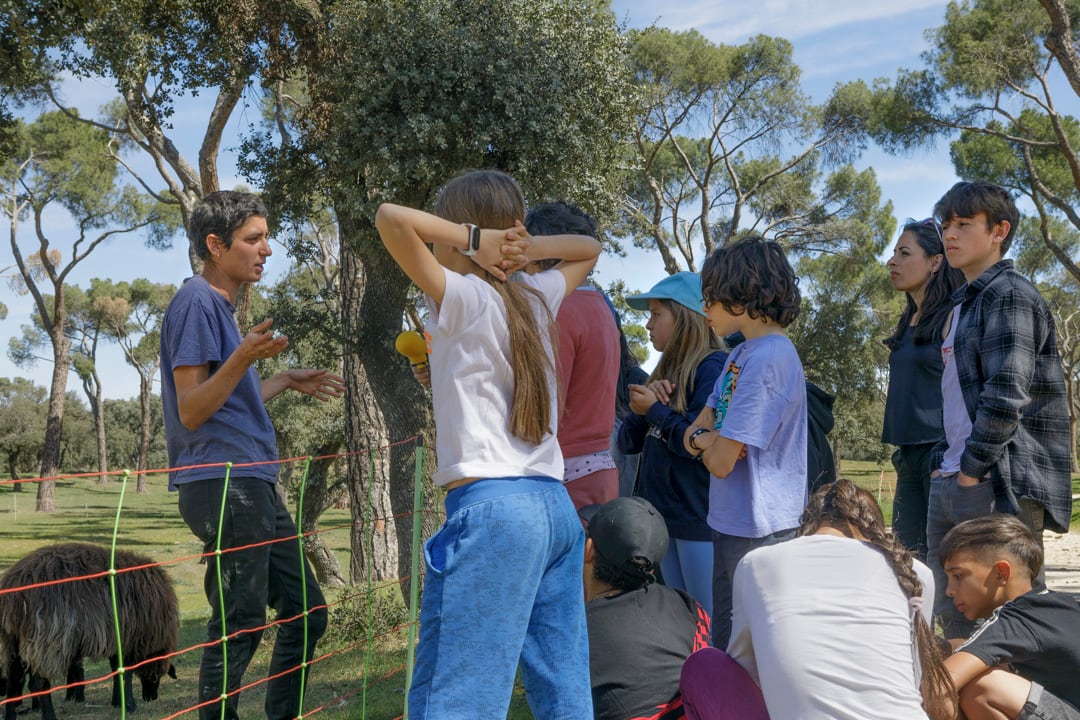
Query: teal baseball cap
x=682, y=287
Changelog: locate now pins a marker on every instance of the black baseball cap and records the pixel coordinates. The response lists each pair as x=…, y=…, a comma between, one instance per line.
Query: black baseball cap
x=628, y=533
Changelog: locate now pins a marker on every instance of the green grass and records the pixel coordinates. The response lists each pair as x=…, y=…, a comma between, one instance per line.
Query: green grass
x=150, y=524
x=880, y=479
x=1075, y=521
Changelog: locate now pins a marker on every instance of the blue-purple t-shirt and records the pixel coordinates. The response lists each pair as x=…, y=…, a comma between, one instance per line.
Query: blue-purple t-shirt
x=199, y=328
x=760, y=401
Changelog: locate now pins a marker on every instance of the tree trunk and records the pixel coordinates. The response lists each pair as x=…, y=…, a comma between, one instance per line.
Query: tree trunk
x=144, y=431
x=325, y=564
x=54, y=422
x=92, y=386
x=243, y=305
x=383, y=405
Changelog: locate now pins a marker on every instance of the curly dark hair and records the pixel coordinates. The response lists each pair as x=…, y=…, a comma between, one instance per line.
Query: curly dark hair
x=557, y=218
x=219, y=213
x=621, y=579
x=753, y=276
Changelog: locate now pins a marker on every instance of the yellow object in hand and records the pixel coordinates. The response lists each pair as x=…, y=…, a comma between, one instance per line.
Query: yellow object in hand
x=412, y=345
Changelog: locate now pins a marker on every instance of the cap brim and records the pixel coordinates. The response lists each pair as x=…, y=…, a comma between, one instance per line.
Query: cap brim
x=586, y=513
x=639, y=302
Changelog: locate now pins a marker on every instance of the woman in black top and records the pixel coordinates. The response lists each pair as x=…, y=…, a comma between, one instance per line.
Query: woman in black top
x=918, y=267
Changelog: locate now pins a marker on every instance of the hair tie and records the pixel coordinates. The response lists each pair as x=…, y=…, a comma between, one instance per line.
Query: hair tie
x=914, y=605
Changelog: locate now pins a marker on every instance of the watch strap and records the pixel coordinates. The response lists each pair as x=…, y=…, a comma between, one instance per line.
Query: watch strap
x=474, y=240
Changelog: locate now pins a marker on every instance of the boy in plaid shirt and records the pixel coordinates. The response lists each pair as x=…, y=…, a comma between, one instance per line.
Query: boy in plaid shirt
x=1005, y=410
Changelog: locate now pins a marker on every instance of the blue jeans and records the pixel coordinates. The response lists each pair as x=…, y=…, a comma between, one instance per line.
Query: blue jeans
x=912, y=499
x=627, y=465
x=503, y=586
x=728, y=550
x=688, y=565
x=266, y=574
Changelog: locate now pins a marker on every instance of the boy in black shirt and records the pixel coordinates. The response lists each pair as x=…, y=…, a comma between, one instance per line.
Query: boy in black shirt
x=990, y=563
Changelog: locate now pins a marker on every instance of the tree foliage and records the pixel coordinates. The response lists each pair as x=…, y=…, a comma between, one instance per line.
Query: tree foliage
x=62, y=170
x=991, y=76
x=729, y=142
x=124, y=425
x=131, y=315
x=403, y=95
x=22, y=425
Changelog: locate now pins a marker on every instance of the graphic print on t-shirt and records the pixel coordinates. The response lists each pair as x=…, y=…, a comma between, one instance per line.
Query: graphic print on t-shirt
x=727, y=389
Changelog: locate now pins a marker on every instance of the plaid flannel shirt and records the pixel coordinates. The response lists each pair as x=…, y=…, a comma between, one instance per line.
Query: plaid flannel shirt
x=1011, y=378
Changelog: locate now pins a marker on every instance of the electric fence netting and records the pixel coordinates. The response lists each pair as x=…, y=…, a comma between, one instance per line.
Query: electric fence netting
x=361, y=667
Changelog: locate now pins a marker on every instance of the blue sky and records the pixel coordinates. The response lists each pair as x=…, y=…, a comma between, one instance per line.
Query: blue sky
x=834, y=41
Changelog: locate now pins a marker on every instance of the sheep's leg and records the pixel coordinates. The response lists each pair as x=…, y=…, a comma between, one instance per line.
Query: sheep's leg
x=129, y=693
x=14, y=686
x=75, y=676
x=37, y=684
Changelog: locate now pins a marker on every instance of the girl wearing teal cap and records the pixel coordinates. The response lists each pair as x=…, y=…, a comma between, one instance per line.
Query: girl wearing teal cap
x=692, y=358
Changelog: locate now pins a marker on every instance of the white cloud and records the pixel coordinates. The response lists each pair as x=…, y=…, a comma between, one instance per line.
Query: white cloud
x=730, y=22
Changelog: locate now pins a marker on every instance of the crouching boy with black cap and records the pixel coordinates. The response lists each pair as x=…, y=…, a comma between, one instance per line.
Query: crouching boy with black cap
x=639, y=632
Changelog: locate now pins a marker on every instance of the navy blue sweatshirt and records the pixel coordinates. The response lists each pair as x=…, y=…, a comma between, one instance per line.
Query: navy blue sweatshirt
x=668, y=476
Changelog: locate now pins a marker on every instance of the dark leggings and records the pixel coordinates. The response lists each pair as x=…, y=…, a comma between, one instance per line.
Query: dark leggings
x=910, y=503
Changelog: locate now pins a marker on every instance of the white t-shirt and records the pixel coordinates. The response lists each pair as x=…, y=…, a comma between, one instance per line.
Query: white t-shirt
x=822, y=625
x=472, y=382
x=954, y=412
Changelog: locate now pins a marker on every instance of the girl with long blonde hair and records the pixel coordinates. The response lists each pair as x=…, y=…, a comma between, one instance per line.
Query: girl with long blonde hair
x=503, y=582
x=661, y=410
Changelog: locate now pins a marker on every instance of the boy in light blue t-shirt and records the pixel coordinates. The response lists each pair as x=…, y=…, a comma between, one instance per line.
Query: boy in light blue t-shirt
x=752, y=433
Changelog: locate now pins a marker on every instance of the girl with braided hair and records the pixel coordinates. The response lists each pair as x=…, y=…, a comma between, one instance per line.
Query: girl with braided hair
x=832, y=624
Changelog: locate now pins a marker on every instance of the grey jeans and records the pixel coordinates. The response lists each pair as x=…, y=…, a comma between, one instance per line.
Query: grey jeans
x=951, y=504
x=1043, y=705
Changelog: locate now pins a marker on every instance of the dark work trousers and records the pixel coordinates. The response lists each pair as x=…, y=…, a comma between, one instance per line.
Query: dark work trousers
x=273, y=575
x=912, y=498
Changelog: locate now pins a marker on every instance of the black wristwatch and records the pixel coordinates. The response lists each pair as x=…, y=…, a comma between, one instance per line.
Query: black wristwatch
x=474, y=240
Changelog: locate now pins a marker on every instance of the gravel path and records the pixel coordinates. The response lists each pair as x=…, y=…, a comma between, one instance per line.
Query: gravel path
x=1062, y=561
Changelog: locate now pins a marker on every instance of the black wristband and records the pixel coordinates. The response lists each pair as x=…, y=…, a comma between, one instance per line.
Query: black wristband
x=693, y=436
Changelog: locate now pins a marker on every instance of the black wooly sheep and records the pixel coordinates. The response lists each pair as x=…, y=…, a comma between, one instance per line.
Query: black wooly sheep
x=46, y=631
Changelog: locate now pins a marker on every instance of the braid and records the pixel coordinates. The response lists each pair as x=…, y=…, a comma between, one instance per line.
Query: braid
x=848, y=508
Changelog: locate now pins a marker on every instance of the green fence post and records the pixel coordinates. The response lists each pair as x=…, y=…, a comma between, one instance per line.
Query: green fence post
x=414, y=568
x=120, y=669
x=369, y=526
x=221, y=592
x=303, y=583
